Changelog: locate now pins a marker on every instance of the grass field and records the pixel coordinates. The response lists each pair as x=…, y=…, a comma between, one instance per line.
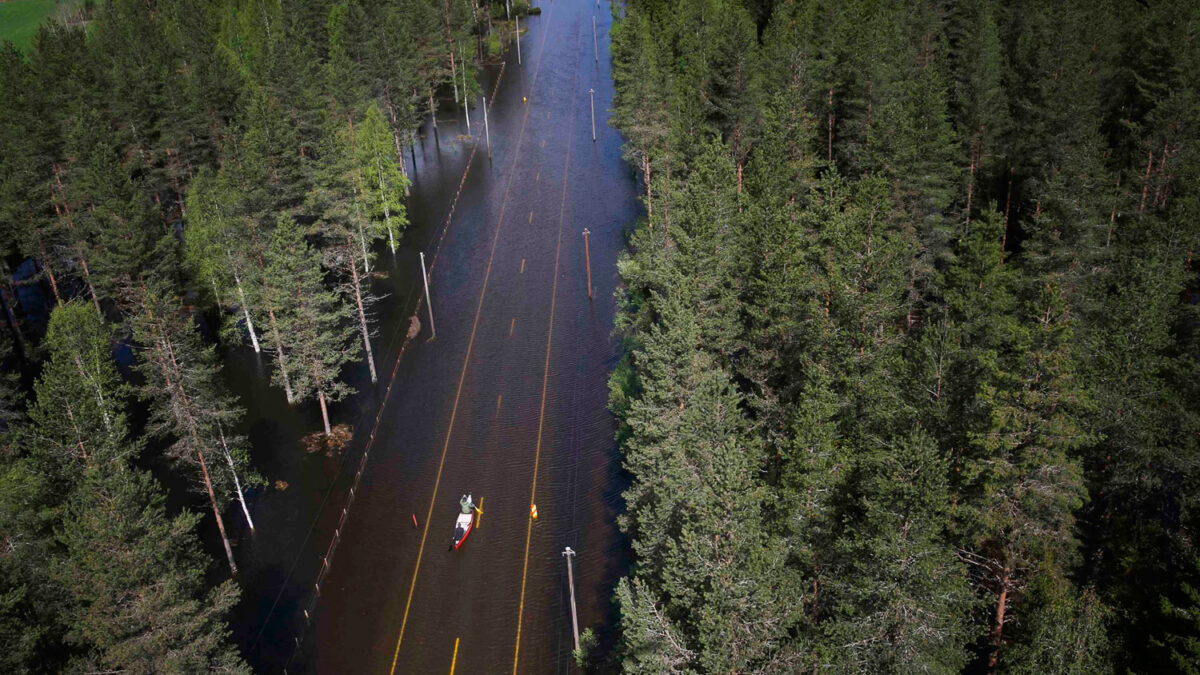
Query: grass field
x=19, y=19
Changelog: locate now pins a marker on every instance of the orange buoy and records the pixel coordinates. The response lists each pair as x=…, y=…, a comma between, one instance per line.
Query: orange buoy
x=533, y=511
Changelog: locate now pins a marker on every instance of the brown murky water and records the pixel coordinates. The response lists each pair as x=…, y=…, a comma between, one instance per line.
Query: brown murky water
x=512, y=392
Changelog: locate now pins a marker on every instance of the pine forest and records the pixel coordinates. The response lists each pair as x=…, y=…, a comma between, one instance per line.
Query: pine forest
x=911, y=372
x=908, y=375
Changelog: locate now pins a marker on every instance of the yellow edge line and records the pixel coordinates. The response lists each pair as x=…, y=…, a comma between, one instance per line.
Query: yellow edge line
x=454, y=659
x=537, y=454
x=467, y=360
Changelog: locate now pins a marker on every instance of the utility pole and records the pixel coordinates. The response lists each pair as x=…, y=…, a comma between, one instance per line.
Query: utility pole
x=518, y=19
x=428, y=302
x=587, y=256
x=595, y=49
x=568, y=554
x=486, y=132
x=592, y=99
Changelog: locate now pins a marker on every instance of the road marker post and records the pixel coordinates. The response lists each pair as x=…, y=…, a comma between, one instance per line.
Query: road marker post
x=587, y=256
x=428, y=302
x=568, y=554
x=592, y=100
x=595, y=49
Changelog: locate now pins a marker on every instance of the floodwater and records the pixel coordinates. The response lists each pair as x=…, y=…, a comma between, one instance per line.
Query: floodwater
x=507, y=403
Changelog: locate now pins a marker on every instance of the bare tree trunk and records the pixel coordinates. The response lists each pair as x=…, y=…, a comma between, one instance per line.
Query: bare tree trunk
x=362, y=237
x=246, y=312
x=321, y=398
x=212, y=498
x=387, y=95
x=450, y=48
x=287, y=382
x=49, y=273
x=236, y=483
x=362, y=319
x=998, y=624
x=387, y=211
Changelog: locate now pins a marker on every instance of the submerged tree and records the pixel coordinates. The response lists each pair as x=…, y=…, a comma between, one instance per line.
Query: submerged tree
x=312, y=319
x=383, y=184
x=188, y=405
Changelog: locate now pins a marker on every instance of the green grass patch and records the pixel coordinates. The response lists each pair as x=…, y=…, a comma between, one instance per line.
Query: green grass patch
x=19, y=20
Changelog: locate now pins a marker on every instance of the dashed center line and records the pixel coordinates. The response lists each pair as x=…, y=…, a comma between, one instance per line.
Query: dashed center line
x=467, y=359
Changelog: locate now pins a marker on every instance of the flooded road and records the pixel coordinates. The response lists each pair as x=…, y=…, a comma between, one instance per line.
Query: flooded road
x=507, y=403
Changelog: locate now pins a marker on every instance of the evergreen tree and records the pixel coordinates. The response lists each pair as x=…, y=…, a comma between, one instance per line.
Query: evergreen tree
x=137, y=577
x=346, y=233
x=312, y=320
x=383, y=184
x=187, y=404
x=77, y=415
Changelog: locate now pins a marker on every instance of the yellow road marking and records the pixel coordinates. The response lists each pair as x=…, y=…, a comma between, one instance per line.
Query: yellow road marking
x=467, y=359
x=511, y=326
x=537, y=453
x=498, y=400
x=454, y=659
x=479, y=509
